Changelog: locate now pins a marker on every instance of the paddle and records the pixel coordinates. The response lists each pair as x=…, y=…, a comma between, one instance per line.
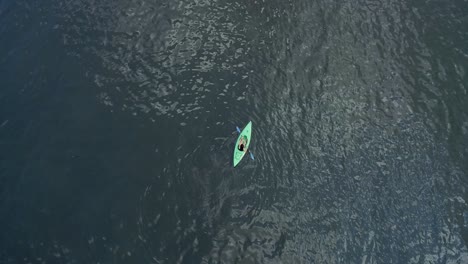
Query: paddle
x=251, y=155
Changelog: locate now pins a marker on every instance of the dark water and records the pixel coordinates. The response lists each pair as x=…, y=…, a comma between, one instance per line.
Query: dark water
x=117, y=123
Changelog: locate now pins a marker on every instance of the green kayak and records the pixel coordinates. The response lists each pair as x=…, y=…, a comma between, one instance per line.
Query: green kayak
x=245, y=136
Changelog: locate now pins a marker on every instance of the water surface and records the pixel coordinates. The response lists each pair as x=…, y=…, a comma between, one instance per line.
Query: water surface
x=117, y=125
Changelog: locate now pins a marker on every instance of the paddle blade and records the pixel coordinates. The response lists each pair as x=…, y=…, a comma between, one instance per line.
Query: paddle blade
x=238, y=129
x=251, y=156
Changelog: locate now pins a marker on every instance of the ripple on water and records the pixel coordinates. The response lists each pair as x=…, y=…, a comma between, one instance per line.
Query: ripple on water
x=359, y=114
x=170, y=64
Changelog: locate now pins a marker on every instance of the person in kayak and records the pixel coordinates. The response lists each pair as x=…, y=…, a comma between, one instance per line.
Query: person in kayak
x=242, y=144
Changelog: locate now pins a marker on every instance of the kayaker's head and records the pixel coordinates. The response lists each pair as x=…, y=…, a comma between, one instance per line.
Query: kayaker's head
x=241, y=147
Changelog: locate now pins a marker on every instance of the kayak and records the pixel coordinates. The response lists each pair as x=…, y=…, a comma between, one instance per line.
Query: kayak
x=246, y=135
